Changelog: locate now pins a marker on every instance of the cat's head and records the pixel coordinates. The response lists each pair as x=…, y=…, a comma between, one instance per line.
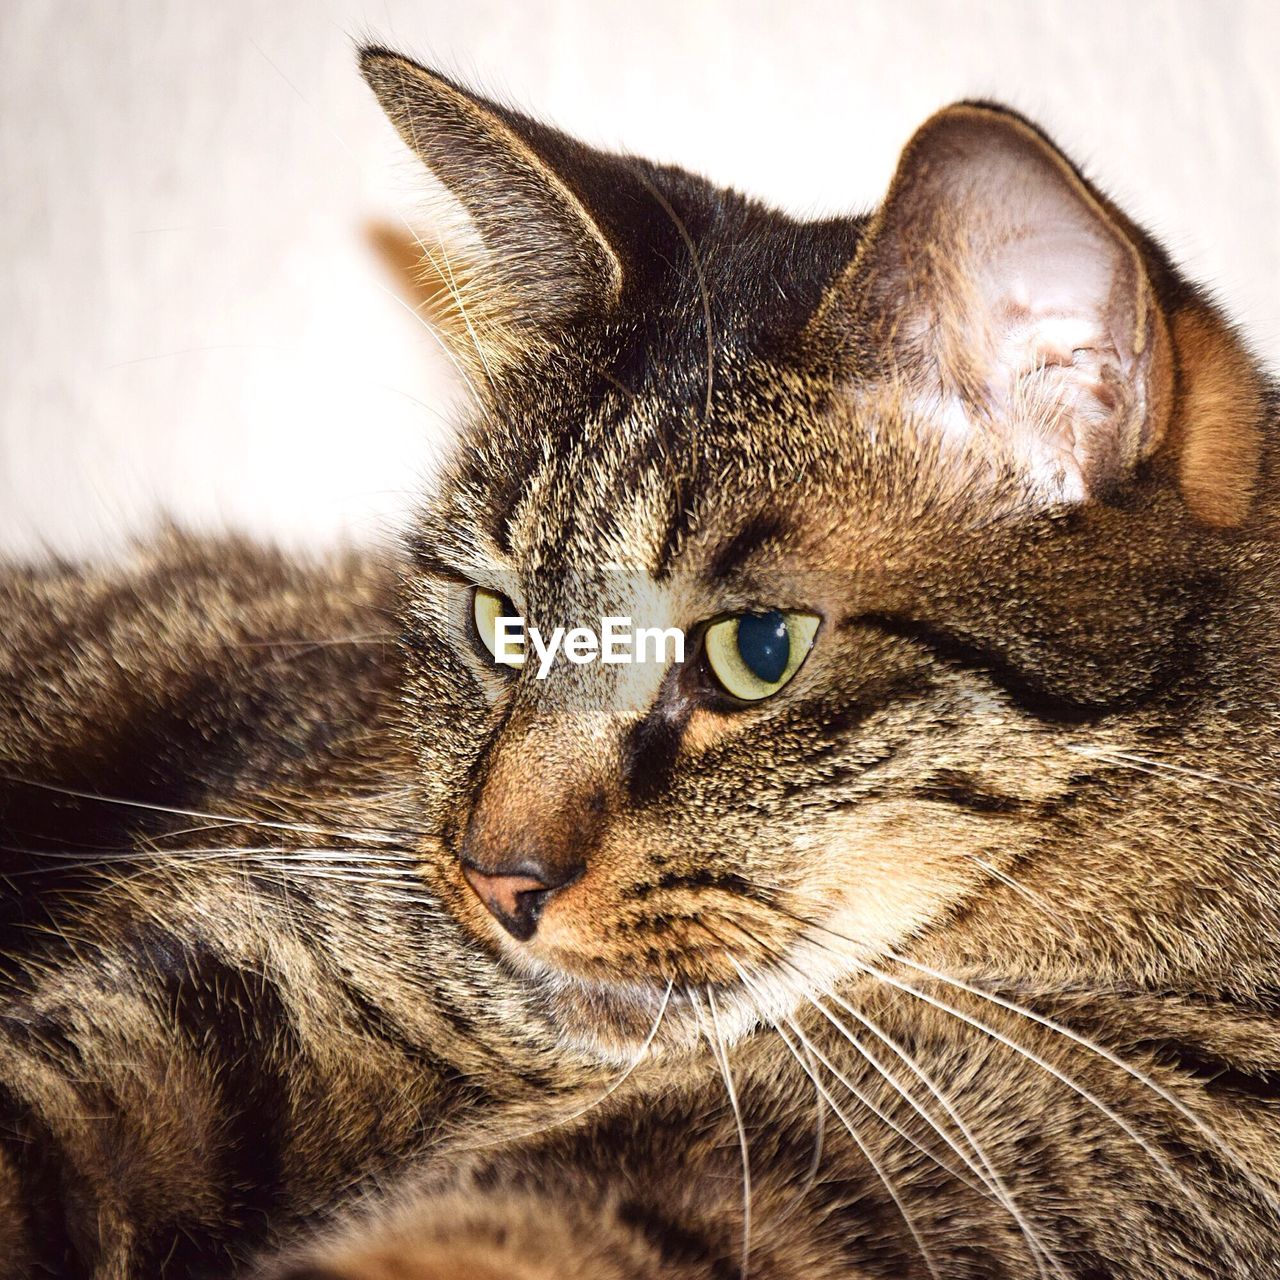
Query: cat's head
x=938, y=500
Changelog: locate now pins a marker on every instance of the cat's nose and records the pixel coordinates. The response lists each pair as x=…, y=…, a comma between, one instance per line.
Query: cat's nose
x=515, y=897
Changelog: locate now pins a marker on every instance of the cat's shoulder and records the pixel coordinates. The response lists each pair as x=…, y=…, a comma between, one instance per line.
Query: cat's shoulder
x=213, y=643
x=183, y=584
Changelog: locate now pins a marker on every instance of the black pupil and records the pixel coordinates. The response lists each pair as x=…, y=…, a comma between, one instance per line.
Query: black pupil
x=763, y=644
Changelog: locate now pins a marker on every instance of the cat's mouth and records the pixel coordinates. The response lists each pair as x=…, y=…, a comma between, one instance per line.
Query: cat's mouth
x=711, y=966
x=625, y=1022
x=619, y=1004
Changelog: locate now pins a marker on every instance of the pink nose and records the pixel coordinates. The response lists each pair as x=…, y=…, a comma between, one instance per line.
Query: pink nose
x=515, y=901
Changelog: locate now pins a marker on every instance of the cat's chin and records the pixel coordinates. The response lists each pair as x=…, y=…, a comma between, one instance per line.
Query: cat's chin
x=624, y=1022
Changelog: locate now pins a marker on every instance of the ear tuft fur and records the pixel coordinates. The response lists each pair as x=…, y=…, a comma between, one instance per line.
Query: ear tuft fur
x=1219, y=414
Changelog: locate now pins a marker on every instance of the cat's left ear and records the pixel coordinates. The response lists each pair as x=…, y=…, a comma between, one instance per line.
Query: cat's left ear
x=524, y=256
x=1003, y=296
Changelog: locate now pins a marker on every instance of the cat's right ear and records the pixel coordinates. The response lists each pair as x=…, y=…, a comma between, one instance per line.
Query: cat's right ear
x=1001, y=303
x=527, y=257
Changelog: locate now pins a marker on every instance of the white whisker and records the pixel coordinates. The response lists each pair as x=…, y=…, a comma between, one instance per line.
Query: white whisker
x=455, y=292
x=997, y=1184
x=458, y=366
x=722, y=1058
x=1156, y=1156
x=1145, y=764
x=1075, y=1038
x=1108, y=1112
x=1206, y=1130
x=815, y=1162
x=876, y=1167
x=1054, y=914
x=861, y=1097
x=373, y=837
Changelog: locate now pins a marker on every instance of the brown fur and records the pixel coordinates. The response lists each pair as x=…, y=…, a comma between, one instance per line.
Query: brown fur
x=963, y=944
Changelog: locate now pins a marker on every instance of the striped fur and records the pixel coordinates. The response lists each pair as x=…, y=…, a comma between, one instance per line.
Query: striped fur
x=955, y=958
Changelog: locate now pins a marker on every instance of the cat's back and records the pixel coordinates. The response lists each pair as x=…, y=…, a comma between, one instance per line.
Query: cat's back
x=192, y=670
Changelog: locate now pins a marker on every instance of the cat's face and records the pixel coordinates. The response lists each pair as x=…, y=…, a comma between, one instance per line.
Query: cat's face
x=901, y=487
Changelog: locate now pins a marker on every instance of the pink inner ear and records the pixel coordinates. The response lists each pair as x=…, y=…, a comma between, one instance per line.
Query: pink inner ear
x=1026, y=320
x=1056, y=370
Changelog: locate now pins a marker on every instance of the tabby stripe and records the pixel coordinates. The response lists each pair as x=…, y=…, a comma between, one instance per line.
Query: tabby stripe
x=42, y=1037
x=703, y=878
x=378, y=1024
x=44, y=1177
x=759, y=530
x=677, y=1244
x=961, y=793
x=237, y=1020
x=1212, y=1073
x=679, y=523
x=650, y=752
x=1024, y=689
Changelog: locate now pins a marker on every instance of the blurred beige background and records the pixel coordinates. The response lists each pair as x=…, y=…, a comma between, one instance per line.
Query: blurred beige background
x=198, y=319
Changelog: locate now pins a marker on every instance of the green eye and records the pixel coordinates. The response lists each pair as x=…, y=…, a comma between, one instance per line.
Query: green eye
x=487, y=607
x=753, y=655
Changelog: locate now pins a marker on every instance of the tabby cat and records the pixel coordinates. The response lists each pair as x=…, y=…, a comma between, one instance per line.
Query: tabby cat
x=923, y=921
